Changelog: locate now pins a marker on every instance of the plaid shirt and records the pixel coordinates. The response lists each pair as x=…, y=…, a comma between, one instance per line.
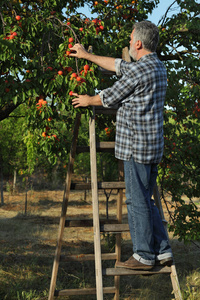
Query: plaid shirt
x=139, y=95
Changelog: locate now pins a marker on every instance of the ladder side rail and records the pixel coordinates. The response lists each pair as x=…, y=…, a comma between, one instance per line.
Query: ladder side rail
x=64, y=208
x=173, y=274
x=95, y=205
x=119, y=219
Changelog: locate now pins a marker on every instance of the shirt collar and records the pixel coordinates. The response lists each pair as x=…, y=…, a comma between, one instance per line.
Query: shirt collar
x=146, y=56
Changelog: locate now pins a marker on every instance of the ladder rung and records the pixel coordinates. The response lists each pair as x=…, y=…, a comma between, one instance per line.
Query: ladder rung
x=105, y=225
x=123, y=271
x=101, y=185
x=105, y=111
x=100, y=147
x=85, y=291
x=86, y=257
x=114, y=228
x=79, y=223
x=88, y=222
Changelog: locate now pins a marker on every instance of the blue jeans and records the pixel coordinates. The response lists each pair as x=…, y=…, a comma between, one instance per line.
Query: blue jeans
x=150, y=241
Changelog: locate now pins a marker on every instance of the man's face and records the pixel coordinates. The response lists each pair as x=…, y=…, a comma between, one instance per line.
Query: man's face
x=132, y=50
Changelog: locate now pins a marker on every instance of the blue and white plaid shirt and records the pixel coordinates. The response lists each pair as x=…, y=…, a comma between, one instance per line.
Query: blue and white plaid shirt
x=140, y=95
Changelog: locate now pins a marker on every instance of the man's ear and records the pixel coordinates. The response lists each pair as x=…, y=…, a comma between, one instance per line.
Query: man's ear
x=138, y=45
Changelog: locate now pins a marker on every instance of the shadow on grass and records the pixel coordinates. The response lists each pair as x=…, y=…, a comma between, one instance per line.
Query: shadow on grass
x=27, y=268
x=27, y=251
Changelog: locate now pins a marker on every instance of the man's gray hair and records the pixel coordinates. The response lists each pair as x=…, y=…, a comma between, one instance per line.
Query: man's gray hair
x=147, y=33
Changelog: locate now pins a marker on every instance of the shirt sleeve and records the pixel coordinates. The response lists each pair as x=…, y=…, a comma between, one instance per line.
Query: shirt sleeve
x=117, y=66
x=122, y=88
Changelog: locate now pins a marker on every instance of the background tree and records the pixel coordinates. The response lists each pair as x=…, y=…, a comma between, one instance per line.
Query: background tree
x=180, y=168
x=37, y=72
x=12, y=148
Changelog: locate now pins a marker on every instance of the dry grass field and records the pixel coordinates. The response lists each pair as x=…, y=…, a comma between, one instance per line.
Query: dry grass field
x=28, y=241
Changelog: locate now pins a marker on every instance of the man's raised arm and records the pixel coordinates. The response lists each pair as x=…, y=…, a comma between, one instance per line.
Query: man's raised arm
x=104, y=62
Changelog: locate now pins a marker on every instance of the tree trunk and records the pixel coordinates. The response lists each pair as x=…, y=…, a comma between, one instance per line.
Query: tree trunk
x=14, y=180
x=26, y=196
x=1, y=174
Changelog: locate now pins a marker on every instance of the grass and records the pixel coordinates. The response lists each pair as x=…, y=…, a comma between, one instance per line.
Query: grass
x=28, y=245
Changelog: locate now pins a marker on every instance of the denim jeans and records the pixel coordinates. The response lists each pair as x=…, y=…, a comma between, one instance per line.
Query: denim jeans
x=150, y=241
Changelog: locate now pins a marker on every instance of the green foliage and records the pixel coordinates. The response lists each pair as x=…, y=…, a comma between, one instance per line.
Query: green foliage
x=12, y=147
x=179, y=175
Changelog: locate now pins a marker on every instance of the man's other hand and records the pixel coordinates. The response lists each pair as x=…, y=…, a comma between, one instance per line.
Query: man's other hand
x=78, y=51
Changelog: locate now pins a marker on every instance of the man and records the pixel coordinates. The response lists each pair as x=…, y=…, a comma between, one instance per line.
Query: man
x=139, y=94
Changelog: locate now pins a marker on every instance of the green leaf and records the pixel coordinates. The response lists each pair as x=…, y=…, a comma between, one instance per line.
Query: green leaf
x=15, y=100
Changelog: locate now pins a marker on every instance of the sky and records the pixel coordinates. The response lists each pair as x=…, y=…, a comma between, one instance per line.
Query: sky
x=160, y=11
x=156, y=15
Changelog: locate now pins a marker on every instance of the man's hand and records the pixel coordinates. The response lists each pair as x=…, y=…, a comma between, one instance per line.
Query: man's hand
x=80, y=100
x=79, y=51
x=86, y=100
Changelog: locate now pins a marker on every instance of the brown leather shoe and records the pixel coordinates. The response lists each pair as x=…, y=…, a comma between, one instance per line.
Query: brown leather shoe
x=133, y=264
x=164, y=262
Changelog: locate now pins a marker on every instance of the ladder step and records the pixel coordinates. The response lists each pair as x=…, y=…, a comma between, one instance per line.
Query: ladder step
x=114, y=228
x=88, y=222
x=101, y=185
x=100, y=147
x=105, y=225
x=87, y=257
x=85, y=291
x=123, y=271
x=105, y=111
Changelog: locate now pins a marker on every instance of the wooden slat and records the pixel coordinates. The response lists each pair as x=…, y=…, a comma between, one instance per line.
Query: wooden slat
x=85, y=291
x=105, y=145
x=123, y=271
x=175, y=283
x=173, y=273
x=88, y=222
x=101, y=185
x=105, y=111
x=88, y=257
x=105, y=225
x=100, y=147
x=119, y=218
x=95, y=206
x=114, y=228
x=64, y=208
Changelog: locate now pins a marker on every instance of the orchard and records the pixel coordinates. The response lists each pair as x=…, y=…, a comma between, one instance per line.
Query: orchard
x=38, y=78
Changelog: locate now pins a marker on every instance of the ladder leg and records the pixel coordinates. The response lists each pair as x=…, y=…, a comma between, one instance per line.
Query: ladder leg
x=118, y=235
x=95, y=204
x=175, y=283
x=173, y=275
x=64, y=208
x=118, y=244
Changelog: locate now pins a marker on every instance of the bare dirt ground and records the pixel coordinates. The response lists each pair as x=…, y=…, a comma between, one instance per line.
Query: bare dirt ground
x=28, y=243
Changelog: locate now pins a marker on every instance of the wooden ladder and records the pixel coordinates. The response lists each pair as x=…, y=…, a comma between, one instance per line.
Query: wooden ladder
x=98, y=226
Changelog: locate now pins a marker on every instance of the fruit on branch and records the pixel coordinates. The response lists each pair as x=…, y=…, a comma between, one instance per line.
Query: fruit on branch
x=74, y=75
x=86, y=67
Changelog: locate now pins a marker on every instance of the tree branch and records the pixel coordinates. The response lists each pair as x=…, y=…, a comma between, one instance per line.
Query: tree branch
x=7, y=110
x=165, y=15
x=178, y=56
